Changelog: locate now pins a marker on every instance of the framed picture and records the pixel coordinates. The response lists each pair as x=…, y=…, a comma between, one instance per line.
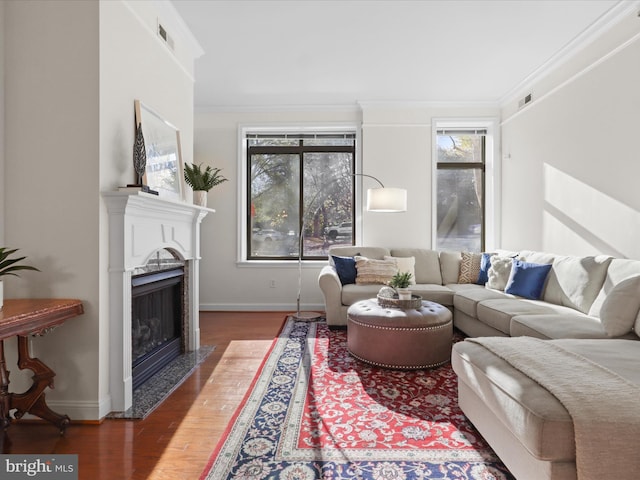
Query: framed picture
x=164, y=171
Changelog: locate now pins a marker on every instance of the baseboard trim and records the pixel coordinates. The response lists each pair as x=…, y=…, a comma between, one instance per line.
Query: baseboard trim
x=257, y=307
x=77, y=411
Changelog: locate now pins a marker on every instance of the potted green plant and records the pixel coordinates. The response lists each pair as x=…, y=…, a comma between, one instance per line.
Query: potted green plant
x=400, y=282
x=8, y=266
x=202, y=180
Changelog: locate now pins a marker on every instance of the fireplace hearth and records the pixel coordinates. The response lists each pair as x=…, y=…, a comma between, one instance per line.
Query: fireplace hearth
x=157, y=315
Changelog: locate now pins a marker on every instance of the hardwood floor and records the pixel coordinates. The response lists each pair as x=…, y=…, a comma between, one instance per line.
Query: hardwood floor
x=175, y=441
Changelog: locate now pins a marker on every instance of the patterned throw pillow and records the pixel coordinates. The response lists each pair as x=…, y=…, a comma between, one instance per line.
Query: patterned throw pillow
x=371, y=271
x=469, y=267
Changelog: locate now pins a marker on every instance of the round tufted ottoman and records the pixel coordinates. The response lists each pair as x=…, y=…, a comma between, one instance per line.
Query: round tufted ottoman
x=398, y=338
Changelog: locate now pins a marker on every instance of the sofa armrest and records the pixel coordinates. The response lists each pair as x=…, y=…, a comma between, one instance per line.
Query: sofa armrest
x=331, y=288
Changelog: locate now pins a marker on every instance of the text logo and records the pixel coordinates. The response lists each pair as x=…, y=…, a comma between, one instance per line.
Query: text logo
x=51, y=467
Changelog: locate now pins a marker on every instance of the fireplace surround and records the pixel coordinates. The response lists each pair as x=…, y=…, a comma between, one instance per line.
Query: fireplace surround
x=140, y=225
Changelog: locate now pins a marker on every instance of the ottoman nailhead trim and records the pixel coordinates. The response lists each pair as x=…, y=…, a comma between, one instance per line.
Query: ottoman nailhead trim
x=403, y=329
x=398, y=367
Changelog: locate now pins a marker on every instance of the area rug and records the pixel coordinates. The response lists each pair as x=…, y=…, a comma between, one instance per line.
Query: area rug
x=153, y=392
x=315, y=412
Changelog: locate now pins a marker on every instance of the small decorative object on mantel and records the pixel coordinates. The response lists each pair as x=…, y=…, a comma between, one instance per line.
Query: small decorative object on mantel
x=201, y=181
x=8, y=267
x=140, y=161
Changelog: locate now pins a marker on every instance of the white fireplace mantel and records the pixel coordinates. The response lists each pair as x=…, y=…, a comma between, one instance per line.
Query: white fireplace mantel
x=140, y=224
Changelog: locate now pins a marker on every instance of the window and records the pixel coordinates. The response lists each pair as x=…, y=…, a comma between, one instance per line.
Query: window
x=296, y=181
x=460, y=187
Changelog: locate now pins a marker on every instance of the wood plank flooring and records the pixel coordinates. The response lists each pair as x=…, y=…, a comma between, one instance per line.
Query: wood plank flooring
x=175, y=441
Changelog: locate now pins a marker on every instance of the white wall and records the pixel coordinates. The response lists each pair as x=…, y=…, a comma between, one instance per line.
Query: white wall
x=134, y=64
x=396, y=148
x=572, y=161
x=73, y=70
x=51, y=167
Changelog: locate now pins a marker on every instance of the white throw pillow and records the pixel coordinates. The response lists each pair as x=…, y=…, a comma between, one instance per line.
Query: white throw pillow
x=405, y=264
x=499, y=272
x=620, y=308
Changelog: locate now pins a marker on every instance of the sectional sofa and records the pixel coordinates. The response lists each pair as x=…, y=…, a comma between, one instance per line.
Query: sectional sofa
x=549, y=378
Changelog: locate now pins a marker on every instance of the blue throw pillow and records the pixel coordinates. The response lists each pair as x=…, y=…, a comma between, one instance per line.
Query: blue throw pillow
x=346, y=269
x=485, y=264
x=527, y=279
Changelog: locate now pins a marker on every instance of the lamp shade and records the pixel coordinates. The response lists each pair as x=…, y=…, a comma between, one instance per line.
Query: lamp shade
x=387, y=199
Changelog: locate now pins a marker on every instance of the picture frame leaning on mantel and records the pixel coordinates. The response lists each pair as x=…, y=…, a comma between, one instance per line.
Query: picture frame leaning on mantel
x=165, y=168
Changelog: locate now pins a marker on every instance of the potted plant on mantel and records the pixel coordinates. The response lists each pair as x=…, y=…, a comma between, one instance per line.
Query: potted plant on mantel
x=400, y=282
x=201, y=181
x=8, y=267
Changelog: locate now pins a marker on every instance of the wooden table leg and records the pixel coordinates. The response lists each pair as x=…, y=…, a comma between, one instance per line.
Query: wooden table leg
x=5, y=396
x=33, y=400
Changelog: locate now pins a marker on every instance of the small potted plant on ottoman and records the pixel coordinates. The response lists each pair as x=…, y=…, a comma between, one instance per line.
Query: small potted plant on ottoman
x=400, y=282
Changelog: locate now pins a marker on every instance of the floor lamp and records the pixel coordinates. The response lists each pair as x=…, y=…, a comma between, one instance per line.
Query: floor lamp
x=381, y=199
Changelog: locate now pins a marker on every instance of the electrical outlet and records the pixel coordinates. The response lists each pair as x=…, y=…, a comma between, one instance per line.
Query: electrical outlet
x=272, y=283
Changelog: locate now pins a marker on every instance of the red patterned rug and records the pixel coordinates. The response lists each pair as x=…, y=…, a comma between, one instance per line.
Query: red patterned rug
x=315, y=412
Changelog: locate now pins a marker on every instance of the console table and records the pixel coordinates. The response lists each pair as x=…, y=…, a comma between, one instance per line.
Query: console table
x=22, y=318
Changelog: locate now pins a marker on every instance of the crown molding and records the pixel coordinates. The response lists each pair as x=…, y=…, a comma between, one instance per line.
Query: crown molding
x=424, y=104
x=348, y=108
x=605, y=23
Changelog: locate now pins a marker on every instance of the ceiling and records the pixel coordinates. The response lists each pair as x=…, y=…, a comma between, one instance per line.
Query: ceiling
x=269, y=53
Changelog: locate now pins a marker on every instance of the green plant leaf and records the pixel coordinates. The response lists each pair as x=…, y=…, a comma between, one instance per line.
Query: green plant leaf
x=199, y=179
x=8, y=265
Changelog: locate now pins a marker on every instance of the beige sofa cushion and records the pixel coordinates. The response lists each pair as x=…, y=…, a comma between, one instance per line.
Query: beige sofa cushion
x=449, y=266
x=575, y=281
x=534, y=416
x=536, y=257
x=497, y=313
x=468, y=296
x=434, y=293
x=352, y=251
x=619, y=270
x=427, y=263
x=620, y=308
x=353, y=293
x=571, y=324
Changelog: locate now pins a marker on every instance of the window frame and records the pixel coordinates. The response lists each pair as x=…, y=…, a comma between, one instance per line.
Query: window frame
x=491, y=175
x=244, y=132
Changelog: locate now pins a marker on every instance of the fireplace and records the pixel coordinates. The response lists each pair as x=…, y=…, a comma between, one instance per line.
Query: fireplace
x=140, y=226
x=157, y=316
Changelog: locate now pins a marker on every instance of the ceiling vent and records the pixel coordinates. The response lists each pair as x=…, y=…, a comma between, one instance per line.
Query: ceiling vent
x=525, y=101
x=165, y=37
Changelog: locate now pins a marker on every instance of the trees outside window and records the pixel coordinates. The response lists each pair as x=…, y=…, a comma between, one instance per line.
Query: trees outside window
x=298, y=181
x=460, y=178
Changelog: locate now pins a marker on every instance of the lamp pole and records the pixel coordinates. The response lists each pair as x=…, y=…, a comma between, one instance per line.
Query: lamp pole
x=381, y=199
